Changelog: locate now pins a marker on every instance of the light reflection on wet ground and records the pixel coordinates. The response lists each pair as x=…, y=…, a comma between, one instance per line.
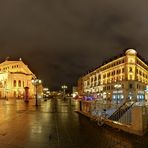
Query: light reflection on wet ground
x=54, y=124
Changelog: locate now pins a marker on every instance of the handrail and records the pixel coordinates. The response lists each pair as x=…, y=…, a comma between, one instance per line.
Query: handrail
x=118, y=108
x=120, y=111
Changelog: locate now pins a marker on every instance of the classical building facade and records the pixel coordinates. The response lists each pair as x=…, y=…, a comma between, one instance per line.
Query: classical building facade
x=15, y=76
x=146, y=93
x=124, y=77
x=80, y=86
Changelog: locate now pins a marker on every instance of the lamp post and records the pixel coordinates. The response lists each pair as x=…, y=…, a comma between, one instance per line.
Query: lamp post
x=36, y=82
x=117, y=87
x=64, y=87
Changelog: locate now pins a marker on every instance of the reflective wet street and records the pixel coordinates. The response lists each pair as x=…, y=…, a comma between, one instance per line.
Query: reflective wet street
x=54, y=124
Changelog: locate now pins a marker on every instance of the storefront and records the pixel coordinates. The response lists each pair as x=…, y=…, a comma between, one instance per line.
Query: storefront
x=146, y=93
x=140, y=96
x=117, y=96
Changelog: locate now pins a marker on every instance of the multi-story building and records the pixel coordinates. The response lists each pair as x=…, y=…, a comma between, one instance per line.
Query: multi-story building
x=15, y=76
x=146, y=93
x=80, y=86
x=124, y=77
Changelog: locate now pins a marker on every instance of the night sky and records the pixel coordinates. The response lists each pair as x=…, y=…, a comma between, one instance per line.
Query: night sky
x=62, y=39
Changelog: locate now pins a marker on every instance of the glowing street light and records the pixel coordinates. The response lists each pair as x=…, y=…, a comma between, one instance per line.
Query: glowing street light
x=36, y=82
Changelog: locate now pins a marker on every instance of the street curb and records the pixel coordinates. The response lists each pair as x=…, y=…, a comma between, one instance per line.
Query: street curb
x=86, y=115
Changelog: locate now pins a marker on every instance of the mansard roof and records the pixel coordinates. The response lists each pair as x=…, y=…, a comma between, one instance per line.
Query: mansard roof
x=125, y=51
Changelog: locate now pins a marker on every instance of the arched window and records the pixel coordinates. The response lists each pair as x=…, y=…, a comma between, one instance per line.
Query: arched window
x=19, y=83
x=14, y=83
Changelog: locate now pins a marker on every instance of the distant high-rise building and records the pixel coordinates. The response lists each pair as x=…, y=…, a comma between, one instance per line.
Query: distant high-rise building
x=122, y=78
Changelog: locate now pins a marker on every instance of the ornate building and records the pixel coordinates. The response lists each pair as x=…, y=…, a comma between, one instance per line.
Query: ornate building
x=80, y=86
x=15, y=76
x=124, y=77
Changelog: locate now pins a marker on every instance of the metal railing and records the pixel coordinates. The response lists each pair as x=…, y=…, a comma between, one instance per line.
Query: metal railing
x=123, y=113
x=103, y=110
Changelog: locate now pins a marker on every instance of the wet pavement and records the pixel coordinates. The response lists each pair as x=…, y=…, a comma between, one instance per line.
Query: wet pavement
x=54, y=124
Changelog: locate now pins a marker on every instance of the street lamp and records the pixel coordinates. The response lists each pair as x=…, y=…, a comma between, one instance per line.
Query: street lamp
x=64, y=87
x=117, y=87
x=36, y=82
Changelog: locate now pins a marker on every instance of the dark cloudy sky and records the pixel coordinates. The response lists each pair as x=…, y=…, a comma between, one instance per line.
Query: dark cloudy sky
x=62, y=39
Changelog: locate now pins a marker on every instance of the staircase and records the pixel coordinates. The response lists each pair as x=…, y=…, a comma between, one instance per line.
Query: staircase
x=121, y=111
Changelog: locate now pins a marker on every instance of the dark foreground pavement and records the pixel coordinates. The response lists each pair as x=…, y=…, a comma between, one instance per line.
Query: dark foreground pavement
x=54, y=124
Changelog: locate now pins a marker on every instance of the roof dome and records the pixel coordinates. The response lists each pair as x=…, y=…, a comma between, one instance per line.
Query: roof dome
x=131, y=52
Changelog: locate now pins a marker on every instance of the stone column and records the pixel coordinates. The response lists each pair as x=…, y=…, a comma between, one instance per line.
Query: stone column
x=139, y=120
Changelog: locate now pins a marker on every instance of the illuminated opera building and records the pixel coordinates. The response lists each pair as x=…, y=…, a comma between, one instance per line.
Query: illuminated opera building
x=15, y=76
x=122, y=78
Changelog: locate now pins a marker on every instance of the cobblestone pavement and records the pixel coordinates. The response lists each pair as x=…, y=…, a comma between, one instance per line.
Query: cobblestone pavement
x=54, y=124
